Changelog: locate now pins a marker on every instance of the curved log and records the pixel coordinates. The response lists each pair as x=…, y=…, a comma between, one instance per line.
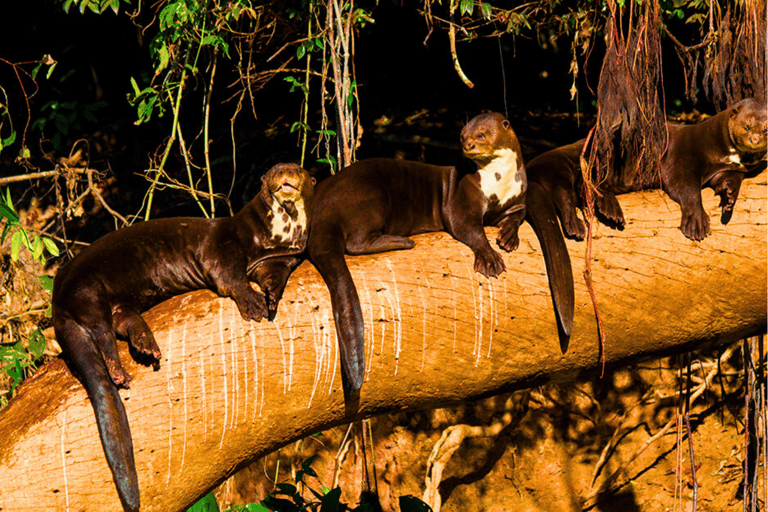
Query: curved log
x=229, y=391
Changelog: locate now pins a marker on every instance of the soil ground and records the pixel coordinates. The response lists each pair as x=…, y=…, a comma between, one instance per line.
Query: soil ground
x=547, y=460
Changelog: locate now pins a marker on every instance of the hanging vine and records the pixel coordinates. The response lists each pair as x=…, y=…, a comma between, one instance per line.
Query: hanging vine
x=735, y=64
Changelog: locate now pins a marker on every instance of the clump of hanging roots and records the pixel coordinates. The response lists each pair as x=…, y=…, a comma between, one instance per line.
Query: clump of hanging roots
x=630, y=133
x=735, y=64
x=631, y=124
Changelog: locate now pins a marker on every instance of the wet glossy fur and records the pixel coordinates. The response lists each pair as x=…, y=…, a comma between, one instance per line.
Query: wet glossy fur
x=715, y=153
x=375, y=205
x=100, y=294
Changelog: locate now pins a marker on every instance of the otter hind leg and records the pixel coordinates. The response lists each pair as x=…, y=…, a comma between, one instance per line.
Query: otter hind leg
x=94, y=316
x=727, y=186
x=86, y=354
x=608, y=206
x=129, y=324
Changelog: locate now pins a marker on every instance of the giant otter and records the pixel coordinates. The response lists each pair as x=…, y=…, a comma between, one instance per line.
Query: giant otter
x=374, y=205
x=715, y=153
x=100, y=293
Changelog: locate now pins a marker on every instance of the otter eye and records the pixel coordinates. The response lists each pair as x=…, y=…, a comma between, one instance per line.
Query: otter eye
x=481, y=136
x=747, y=127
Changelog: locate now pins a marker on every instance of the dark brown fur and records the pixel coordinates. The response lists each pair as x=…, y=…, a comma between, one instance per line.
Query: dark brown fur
x=100, y=294
x=715, y=153
x=375, y=205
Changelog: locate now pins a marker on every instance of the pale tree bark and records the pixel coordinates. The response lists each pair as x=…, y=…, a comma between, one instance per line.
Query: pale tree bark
x=230, y=391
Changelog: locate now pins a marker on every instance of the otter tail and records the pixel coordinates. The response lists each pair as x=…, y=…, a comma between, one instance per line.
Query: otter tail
x=111, y=418
x=540, y=213
x=326, y=250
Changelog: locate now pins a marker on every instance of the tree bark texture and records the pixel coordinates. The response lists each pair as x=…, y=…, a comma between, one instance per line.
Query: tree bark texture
x=228, y=391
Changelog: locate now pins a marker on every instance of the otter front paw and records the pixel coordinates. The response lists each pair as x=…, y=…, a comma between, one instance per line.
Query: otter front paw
x=695, y=224
x=508, y=240
x=144, y=342
x=252, y=306
x=490, y=265
x=274, y=292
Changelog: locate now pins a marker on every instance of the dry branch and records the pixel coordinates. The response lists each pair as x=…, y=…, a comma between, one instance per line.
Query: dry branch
x=229, y=392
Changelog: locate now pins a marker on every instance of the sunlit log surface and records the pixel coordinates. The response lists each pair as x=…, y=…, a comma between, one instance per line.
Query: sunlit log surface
x=230, y=391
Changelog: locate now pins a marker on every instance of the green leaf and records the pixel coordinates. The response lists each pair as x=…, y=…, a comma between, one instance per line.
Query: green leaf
x=16, y=245
x=24, y=152
x=279, y=505
x=300, y=51
x=10, y=139
x=67, y=5
x=46, y=282
x=256, y=507
x=486, y=10
x=350, y=93
x=37, y=249
x=50, y=70
x=466, y=7
x=306, y=466
x=8, y=213
x=288, y=489
x=53, y=249
x=36, y=343
x=6, y=229
x=9, y=202
x=206, y=504
x=25, y=238
x=413, y=504
x=136, y=90
x=330, y=502
x=164, y=58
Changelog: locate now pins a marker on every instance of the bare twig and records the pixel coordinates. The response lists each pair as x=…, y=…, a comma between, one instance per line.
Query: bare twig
x=33, y=176
x=95, y=191
x=454, y=54
x=206, y=145
x=346, y=441
x=690, y=433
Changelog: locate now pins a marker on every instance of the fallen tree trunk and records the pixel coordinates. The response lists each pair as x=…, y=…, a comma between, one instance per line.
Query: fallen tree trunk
x=230, y=391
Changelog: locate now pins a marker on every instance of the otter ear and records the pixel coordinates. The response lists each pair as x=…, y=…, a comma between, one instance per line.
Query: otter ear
x=263, y=178
x=506, y=124
x=314, y=181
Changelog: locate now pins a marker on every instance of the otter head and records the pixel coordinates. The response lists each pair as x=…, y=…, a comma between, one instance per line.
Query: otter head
x=747, y=127
x=486, y=137
x=491, y=143
x=287, y=190
x=288, y=185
